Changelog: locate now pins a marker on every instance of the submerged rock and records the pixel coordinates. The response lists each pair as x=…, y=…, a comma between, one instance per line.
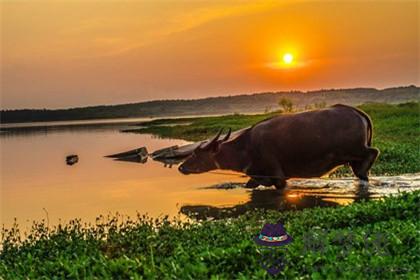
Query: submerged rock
x=140, y=152
x=72, y=159
x=226, y=186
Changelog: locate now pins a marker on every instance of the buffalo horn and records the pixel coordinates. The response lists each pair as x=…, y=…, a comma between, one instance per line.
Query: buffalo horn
x=227, y=135
x=213, y=140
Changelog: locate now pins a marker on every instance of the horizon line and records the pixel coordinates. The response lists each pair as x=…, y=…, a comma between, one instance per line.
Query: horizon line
x=212, y=97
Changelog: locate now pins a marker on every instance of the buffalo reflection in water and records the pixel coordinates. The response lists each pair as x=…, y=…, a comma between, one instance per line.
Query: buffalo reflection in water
x=271, y=199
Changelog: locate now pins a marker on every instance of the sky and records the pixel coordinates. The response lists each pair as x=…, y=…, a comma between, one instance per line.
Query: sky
x=59, y=54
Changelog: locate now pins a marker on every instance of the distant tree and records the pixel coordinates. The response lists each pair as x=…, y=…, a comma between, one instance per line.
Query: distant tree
x=267, y=109
x=286, y=105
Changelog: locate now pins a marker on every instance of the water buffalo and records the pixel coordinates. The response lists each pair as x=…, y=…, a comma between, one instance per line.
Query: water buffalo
x=301, y=145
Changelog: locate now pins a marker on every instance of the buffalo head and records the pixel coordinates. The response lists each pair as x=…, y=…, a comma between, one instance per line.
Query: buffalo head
x=203, y=157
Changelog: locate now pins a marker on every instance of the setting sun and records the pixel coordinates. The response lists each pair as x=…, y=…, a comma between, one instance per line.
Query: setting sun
x=287, y=58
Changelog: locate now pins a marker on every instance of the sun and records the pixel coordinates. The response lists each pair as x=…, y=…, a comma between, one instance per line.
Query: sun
x=287, y=58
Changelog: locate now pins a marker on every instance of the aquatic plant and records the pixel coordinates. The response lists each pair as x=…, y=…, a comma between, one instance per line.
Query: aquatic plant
x=375, y=238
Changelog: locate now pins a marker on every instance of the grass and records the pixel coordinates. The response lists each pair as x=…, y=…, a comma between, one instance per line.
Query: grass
x=198, y=128
x=396, y=133
x=376, y=238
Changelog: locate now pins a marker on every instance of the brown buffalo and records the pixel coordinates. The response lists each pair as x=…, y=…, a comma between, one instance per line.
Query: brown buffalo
x=301, y=145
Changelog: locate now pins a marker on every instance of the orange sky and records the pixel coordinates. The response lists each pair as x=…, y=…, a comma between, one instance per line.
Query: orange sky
x=58, y=54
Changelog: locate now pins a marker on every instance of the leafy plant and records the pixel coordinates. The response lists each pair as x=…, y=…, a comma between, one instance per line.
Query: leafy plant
x=347, y=246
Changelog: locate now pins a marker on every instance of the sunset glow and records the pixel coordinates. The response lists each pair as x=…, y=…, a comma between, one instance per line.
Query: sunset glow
x=77, y=53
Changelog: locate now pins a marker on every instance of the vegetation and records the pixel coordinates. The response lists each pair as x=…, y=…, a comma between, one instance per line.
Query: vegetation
x=319, y=105
x=216, y=105
x=375, y=238
x=396, y=133
x=286, y=105
x=195, y=129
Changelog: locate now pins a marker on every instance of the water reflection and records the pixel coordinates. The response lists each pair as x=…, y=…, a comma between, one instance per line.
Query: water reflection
x=269, y=199
x=298, y=196
x=68, y=128
x=306, y=193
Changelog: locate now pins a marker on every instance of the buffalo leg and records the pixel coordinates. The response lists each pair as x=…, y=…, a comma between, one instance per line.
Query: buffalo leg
x=280, y=184
x=361, y=167
x=278, y=179
x=256, y=179
x=255, y=182
x=259, y=176
x=252, y=183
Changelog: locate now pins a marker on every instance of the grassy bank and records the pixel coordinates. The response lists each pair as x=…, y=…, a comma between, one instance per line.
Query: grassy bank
x=396, y=133
x=378, y=239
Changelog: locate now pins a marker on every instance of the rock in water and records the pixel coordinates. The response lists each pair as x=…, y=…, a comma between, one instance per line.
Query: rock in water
x=140, y=152
x=72, y=159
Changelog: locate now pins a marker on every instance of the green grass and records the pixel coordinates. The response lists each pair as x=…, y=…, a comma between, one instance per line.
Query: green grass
x=375, y=239
x=396, y=133
x=199, y=128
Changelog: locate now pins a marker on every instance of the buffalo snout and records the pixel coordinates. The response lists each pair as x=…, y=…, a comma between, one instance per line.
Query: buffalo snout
x=183, y=170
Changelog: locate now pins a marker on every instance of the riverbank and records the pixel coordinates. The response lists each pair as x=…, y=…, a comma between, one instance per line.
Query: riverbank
x=375, y=238
x=396, y=133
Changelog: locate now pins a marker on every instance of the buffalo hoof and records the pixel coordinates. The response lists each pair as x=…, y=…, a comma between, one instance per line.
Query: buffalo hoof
x=363, y=183
x=362, y=190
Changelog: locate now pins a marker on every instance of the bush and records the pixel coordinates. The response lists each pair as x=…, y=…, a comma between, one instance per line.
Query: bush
x=286, y=105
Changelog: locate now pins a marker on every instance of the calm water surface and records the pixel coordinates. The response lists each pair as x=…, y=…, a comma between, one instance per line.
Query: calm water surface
x=34, y=176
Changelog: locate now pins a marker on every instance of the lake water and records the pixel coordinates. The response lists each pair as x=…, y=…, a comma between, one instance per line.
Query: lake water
x=34, y=176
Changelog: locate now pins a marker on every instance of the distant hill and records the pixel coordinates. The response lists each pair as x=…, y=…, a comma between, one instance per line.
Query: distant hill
x=253, y=103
